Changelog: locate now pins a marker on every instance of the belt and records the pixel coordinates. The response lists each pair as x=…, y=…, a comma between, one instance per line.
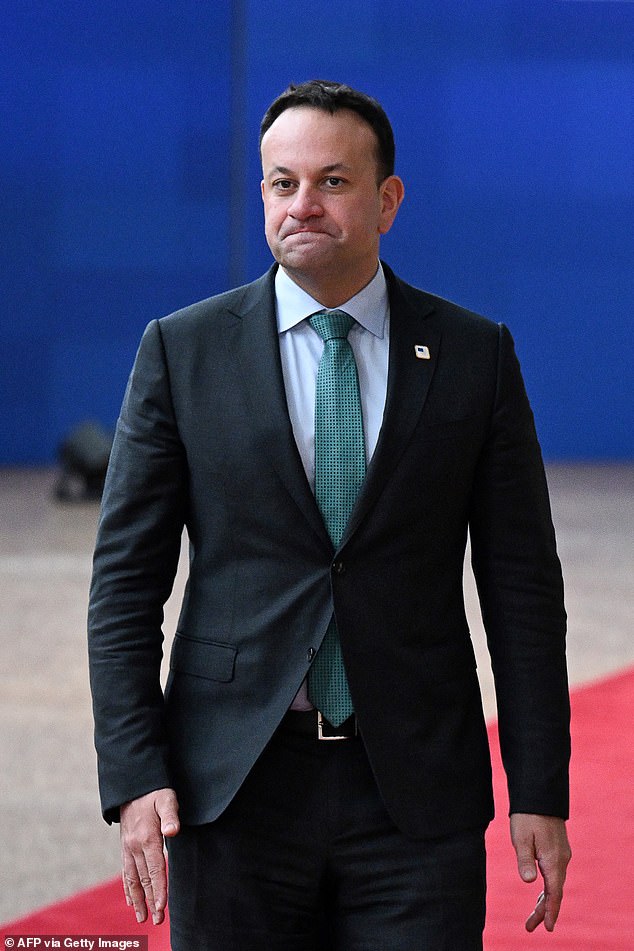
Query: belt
x=313, y=723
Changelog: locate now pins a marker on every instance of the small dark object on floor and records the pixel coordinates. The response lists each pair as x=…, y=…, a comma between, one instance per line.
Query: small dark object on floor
x=84, y=456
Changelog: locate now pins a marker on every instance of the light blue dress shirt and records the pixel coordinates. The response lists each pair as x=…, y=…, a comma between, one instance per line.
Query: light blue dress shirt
x=301, y=348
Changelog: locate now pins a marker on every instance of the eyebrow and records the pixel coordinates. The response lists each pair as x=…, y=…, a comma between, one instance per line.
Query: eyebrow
x=335, y=167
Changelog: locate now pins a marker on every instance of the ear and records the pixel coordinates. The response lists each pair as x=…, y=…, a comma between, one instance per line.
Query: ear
x=391, y=193
x=262, y=189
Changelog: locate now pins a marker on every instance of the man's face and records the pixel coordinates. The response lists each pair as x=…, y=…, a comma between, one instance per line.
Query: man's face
x=323, y=207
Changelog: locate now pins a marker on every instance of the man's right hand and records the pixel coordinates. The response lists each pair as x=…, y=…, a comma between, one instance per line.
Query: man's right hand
x=144, y=823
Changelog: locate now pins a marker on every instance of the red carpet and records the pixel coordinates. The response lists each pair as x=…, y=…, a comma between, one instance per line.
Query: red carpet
x=598, y=909
x=598, y=912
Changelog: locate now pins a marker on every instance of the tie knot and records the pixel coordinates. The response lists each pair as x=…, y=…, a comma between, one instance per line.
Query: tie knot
x=332, y=324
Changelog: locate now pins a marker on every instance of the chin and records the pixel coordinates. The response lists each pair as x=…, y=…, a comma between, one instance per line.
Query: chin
x=307, y=263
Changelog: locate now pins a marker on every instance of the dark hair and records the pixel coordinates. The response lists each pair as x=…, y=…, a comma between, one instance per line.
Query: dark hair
x=331, y=97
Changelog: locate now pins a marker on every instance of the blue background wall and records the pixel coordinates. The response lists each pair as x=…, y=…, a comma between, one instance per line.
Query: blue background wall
x=129, y=184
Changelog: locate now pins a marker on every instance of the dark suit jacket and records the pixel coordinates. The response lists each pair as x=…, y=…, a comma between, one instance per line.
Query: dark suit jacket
x=204, y=440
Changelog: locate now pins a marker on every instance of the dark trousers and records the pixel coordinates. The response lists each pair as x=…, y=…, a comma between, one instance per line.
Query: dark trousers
x=306, y=858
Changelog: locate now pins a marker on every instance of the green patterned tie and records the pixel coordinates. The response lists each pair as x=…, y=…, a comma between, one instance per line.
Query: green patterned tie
x=339, y=472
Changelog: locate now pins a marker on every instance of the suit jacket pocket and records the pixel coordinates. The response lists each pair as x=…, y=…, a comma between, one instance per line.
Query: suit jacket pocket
x=209, y=659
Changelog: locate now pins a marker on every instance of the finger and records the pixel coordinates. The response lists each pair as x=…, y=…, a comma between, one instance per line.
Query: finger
x=156, y=886
x=166, y=806
x=126, y=891
x=552, y=912
x=554, y=889
x=526, y=863
x=133, y=887
x=537, y=916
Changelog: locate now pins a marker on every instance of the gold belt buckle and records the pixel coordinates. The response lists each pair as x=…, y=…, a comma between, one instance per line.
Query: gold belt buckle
x=334, y=736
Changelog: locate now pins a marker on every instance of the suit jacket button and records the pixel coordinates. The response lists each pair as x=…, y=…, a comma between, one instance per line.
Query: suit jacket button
x=338, y=567
x=310, y=653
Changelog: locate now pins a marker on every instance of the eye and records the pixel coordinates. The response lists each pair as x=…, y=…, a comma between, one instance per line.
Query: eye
x=282, y=184
x=333, y=181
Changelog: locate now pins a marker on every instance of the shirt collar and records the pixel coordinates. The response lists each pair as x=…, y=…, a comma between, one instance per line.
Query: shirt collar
x=370, y=307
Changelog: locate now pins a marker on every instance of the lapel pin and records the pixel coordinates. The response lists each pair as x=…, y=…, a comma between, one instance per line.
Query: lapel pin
x=422, y=352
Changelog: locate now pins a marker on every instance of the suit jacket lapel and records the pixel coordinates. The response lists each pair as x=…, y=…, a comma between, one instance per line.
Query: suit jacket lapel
x=253, y=341
x=409, y=378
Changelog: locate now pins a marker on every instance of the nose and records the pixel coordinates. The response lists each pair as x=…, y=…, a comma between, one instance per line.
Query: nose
x=305, y=204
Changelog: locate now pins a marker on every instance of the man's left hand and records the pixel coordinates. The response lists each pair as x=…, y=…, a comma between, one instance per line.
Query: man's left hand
x=542, y=842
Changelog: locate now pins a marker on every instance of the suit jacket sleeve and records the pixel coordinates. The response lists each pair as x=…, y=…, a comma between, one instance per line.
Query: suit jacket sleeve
x=136, y=555
x=521, y=594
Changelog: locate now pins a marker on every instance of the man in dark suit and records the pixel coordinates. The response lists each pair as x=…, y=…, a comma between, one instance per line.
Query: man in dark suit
x=287, y=825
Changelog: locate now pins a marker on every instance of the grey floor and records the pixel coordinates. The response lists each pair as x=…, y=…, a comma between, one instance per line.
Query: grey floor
x=53, y=839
